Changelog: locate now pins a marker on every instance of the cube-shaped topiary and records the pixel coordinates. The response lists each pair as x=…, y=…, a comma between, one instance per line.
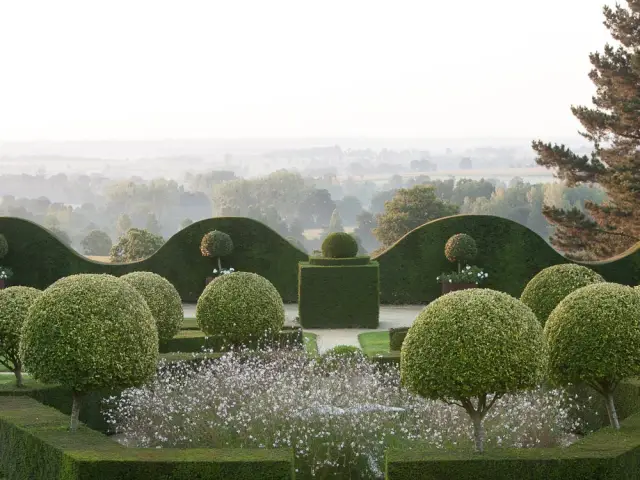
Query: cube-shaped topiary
x=594, y=338
x=339, y=296
x=162, y=298
x=14, y=306
x=461, y=249
x=547, y=289
x=90, y=332
x=240, y=307
x=339, y=245
x=470, y=347
x=216, y=244
x=4, y=246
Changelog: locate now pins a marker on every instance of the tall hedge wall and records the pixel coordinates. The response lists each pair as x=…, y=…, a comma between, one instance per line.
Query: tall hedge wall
x=38, y=258
x=511, y=254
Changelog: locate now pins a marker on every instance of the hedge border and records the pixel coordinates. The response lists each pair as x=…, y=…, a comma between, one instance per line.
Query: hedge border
x=333, y=262
x=343, y=296
x=36, y=445
x=287, y=337
x=396, y=338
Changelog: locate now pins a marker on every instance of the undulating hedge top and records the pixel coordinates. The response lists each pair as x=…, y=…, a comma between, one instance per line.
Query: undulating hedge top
x=14, y=306
x=163, y=301
x=472, y=342
x=339, y=245
x=4, y=246
x=594, y=334
x=460, y=248
x=240, y=307
x=547, y=289
x=89, y=332
x=216, y=244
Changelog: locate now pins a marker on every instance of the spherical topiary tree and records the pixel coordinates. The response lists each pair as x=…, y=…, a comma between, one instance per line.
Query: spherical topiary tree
x=460, y=248
x=471, y=347
x=162, y=298
x=240, y=307
x=4, y=246
x=594, y=337
x=14, y=306
x=545, y=291
x=339, y=245
x=90, y=332
x=216, y=244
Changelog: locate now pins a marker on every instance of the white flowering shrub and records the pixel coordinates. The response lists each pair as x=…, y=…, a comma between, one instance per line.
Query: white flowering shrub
x=240, y=307
x=163, y=300
x=339, y=422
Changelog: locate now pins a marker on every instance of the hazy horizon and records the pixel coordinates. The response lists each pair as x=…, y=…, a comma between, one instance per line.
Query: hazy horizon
x=256, y=71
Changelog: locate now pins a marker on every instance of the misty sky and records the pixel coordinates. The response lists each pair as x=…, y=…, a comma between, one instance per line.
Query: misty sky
x=134, y=69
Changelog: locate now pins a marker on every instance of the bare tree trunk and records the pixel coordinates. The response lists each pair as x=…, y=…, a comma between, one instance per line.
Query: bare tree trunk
x=75, y=410
x=478, y=432
x=18, y=373
x=219, y=266
x=459, y=267
x=611, y=410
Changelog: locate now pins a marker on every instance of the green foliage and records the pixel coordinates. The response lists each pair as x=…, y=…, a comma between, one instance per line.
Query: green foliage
x=240, y=307
x=362, y=260
x=216, y=244
x=287, y=337
x=89, y=332
x=14, y=306
x=36, y=445
x=549, y=287
x=456, y=347
x=594, y=336
x=136, y=244
x=163, y=301
x=469, y=275
x=4, y=246
x=409, y=209
x=97, y=242
x=339, y=245
x=396, y=337
x=339, y=296
x=342, y=356
x=460, y=248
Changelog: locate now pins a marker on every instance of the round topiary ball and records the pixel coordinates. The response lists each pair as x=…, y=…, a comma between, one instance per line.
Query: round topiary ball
x=339, y=245
x=89, y=332
x=594, y=335
x=162, y=298
x=473, y=342
x=14, y=306
x=460, y=248
x=240, y=307
x=216, y=244
x=547, y=289
x=4, y=246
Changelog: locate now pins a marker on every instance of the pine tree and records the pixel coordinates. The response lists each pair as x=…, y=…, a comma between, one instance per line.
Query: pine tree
x=612, y=125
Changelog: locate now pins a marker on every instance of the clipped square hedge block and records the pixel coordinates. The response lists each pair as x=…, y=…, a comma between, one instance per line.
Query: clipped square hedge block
x=341, y=296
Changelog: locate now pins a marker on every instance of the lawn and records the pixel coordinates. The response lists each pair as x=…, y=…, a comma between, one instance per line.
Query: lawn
x=311, y=343
x=373, y=343
x=190, y=323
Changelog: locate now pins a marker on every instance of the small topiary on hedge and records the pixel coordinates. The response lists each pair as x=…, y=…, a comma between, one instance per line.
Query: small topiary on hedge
x=339, y=245
x=547, y=289
x=460, y=248
x=471, y=347
x=240, y=307
x=4, y=246
x=216, y=244
x=14, y=306
x=90, y=332
x=163, y=301
x=594, y=337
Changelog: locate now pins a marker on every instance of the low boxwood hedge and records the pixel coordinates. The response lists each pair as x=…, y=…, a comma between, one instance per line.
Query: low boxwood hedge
x=196, y=341
x=326, y=261
x=35, y=445
x=396, y=337
x=345, y=296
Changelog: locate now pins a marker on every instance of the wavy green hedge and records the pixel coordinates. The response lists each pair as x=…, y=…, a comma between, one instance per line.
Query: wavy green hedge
x=511, y=254
x=38, y=258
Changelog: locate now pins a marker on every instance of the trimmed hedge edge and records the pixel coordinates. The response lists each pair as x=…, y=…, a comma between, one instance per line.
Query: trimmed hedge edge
x=35, y=444
x=332, y=262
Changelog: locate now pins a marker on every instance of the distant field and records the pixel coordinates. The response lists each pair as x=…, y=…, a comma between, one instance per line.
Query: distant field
x=98, y=258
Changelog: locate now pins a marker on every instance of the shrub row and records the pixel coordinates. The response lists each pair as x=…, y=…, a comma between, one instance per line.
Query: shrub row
x=326, y=261
x=288, y=337
x=35, y=444
x=603, y=454
x=339, y=296
x=396, y=337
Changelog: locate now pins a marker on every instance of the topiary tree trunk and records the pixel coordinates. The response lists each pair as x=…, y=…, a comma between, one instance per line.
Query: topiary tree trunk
x=477, y=414
x=220, y=264
x=606, y=389
x=17, y=371
x=75, y=410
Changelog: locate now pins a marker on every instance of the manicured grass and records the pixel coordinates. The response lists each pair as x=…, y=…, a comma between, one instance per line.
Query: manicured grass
x=373, y=343
x=190, y=323
x=311, y=343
